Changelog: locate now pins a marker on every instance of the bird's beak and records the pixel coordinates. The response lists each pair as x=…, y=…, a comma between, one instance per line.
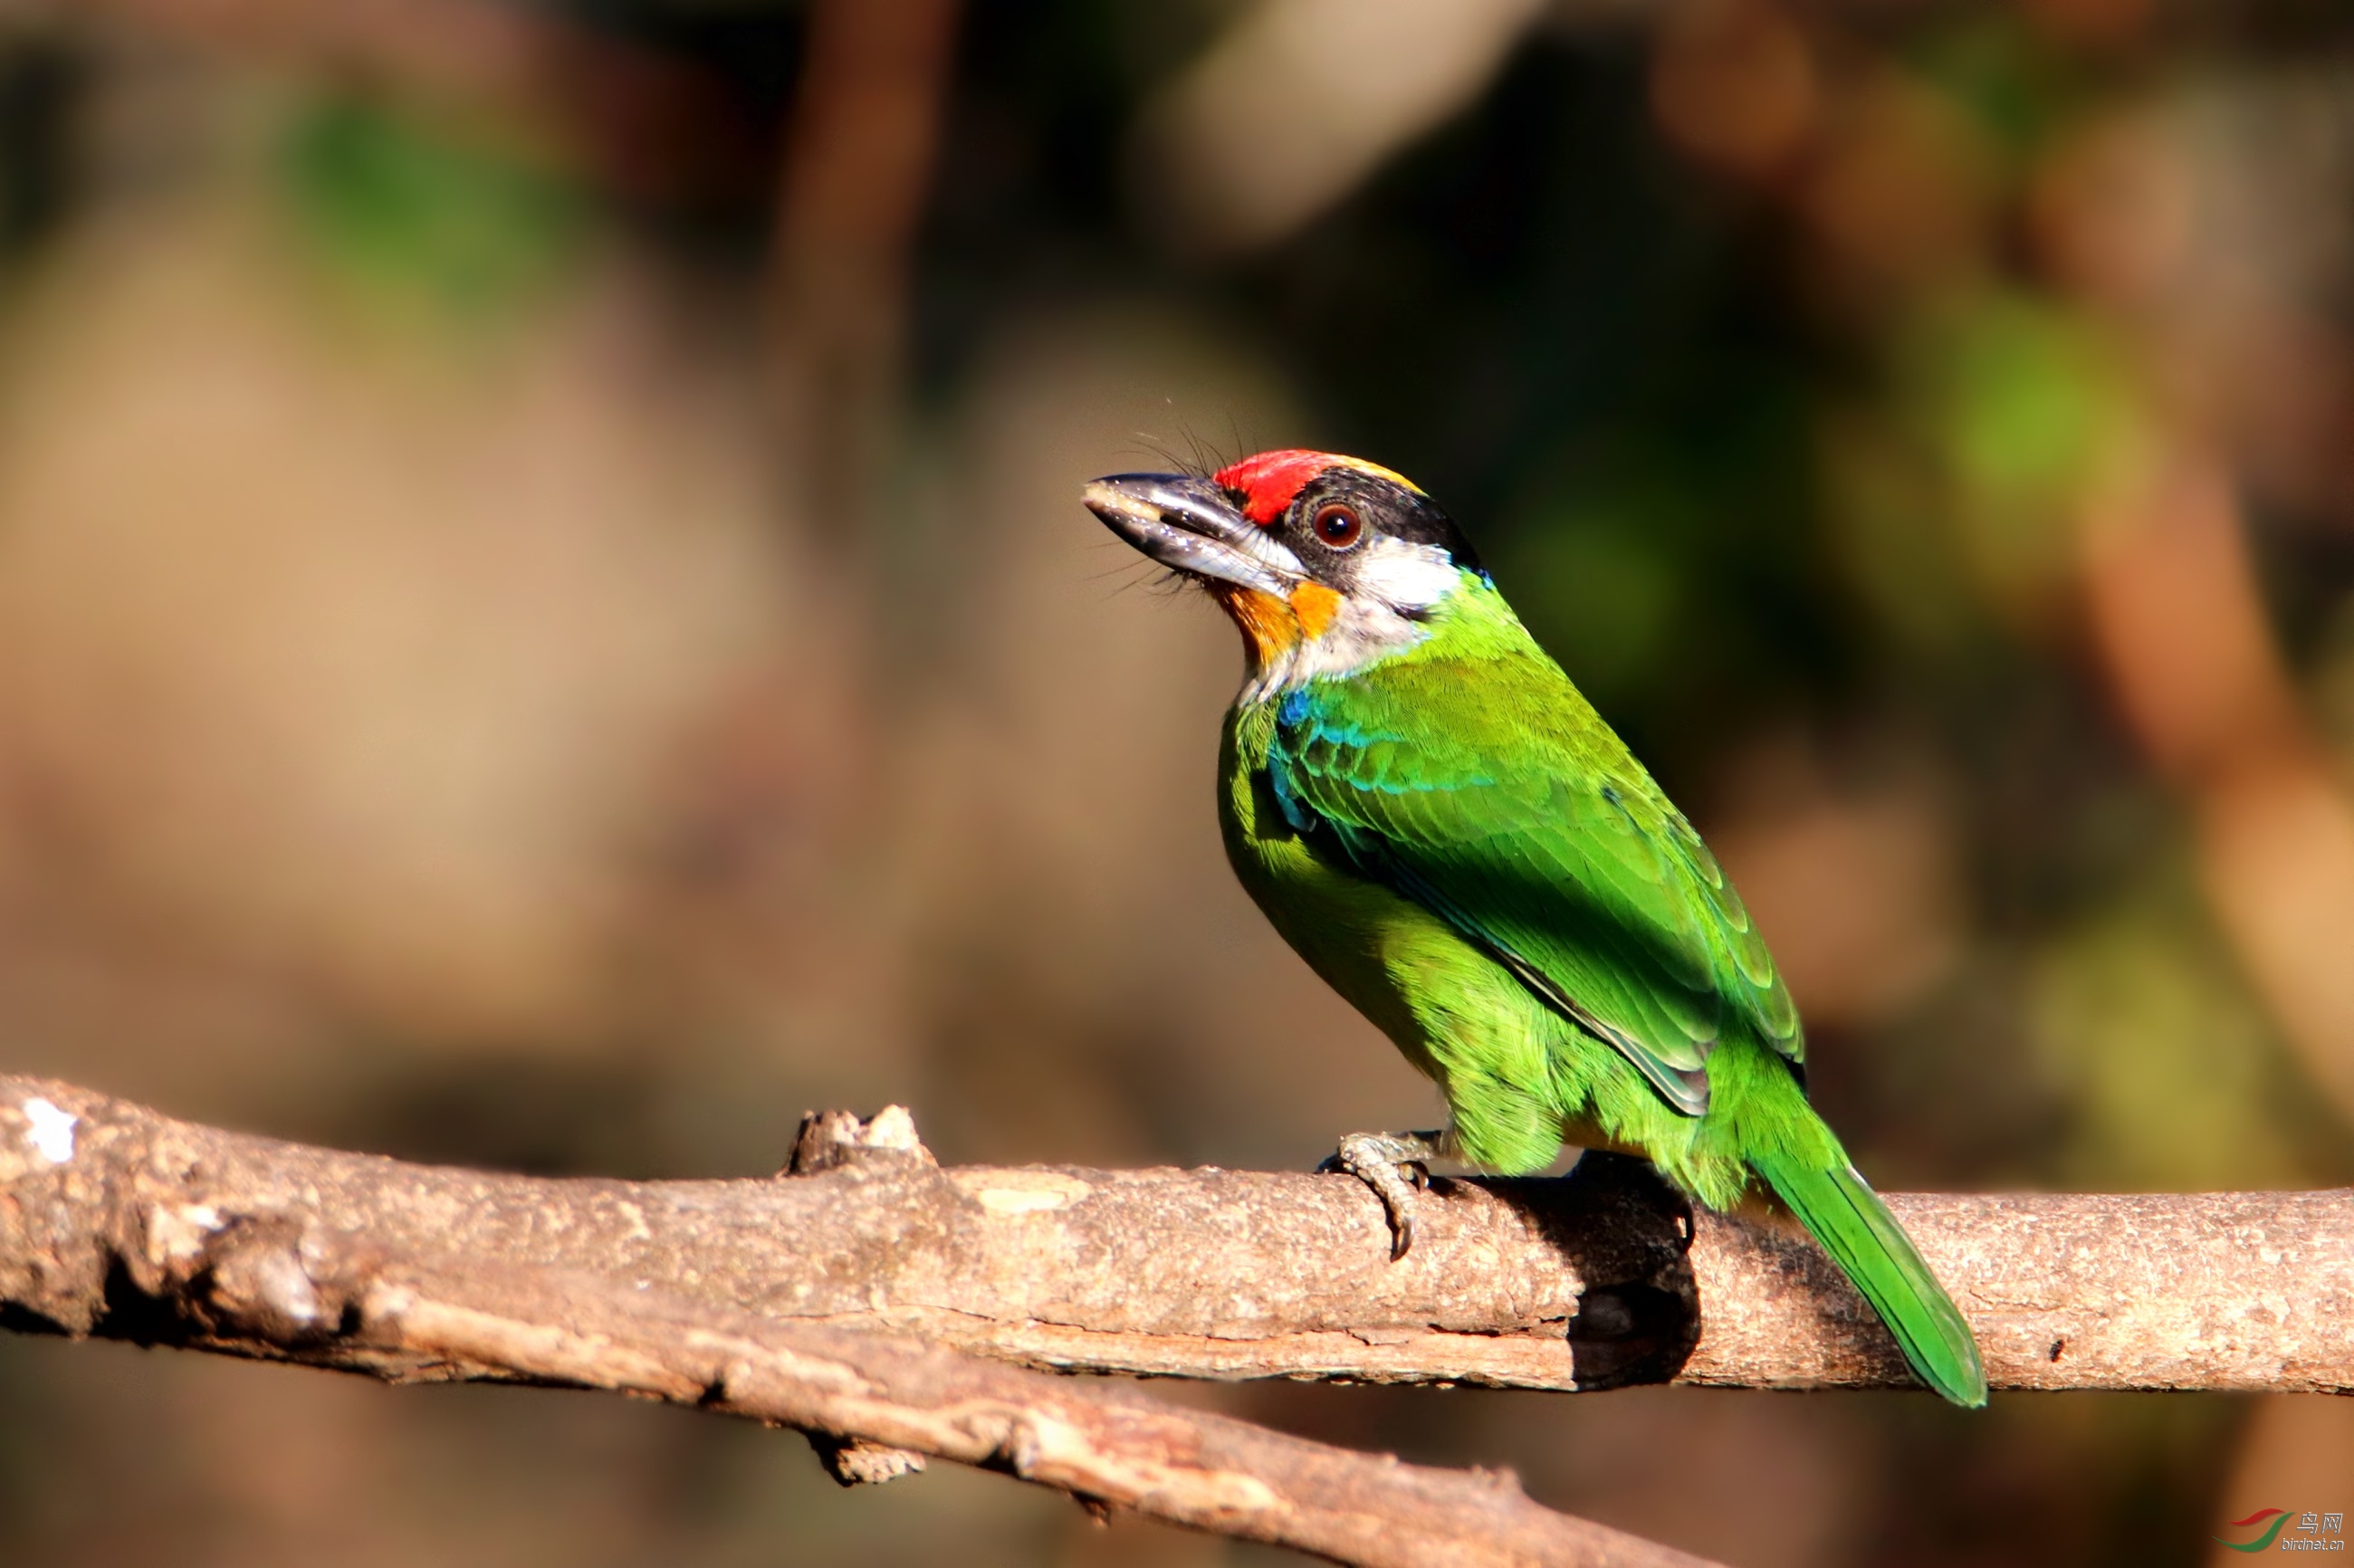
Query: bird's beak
x=1190, y=525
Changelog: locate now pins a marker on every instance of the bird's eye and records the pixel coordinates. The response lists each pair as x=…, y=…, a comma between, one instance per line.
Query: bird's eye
x=1337, y=524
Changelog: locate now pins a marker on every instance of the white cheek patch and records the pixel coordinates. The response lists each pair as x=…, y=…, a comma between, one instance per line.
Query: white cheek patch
x=1395, y=583
x=1365, y=632
x=1407, y=577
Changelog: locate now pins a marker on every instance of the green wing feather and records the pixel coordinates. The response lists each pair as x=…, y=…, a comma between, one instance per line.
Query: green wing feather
x=1527, y=825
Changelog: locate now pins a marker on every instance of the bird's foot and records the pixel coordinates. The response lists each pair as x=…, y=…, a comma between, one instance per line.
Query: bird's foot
x=1397, y=1166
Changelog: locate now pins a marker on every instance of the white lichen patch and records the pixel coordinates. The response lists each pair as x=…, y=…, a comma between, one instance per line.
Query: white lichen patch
x=50, y=1129
x=287, y=1291
x=1022, y=1191
x=177, y=1233
x=893, y=1127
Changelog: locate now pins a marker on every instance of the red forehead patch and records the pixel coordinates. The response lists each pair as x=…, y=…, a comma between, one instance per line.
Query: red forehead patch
x=1267, y=483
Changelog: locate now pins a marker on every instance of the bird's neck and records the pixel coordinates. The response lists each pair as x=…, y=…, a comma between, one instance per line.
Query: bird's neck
x=1284, y=651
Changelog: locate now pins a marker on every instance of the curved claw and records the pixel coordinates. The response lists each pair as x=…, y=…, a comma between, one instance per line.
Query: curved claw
x=1401, y=1233
x=1394, y=1165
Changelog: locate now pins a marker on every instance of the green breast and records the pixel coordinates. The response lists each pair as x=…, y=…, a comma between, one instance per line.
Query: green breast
x=1349, y=929
x=1508, y=1066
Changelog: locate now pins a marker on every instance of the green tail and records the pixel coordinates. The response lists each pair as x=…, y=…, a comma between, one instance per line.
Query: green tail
x=1865, y=1239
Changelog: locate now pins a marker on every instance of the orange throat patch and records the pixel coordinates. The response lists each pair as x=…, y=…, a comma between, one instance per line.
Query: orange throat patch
x=1313, y=606
x=1272, y=627
x=1269, y=628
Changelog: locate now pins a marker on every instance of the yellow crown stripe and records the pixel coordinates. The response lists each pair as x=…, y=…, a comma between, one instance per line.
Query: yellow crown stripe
x=1378, y=471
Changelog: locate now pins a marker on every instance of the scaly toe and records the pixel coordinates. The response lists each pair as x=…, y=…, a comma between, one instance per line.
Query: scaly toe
x=1393, y=1165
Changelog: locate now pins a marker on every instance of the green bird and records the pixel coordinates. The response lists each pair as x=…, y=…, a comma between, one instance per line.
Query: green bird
x=1443, y=828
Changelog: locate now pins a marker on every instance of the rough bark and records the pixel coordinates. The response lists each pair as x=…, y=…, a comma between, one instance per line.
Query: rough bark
x=1599, y=1280
x=117, y=1222
x=872, y=1404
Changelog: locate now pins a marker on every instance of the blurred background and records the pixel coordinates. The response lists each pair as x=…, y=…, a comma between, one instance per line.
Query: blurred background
x=544, y=623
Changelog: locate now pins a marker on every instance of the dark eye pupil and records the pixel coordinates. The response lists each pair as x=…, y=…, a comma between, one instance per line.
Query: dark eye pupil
x=1337, y=525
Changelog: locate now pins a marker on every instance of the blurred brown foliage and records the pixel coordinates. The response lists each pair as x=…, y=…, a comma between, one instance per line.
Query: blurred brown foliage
x=543, y=621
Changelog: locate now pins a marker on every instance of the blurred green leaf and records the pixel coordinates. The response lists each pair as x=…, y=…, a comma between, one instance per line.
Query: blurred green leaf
x=1968, y=477
x=1990, y=64
x=420, y=213
x=1596, y=577
x=2176, y=1078
x=2015, y=391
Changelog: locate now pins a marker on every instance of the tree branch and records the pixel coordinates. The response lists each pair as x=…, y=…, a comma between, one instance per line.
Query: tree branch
x=871, y=1403
x=841, y=1298
x=119, y=1223
x=1586, y=1282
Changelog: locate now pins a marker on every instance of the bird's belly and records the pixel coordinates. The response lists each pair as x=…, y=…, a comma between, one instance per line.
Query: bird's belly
x=1582, y=1131
x=1513, y=1071
x=1454, y=1013
x=1349, y=931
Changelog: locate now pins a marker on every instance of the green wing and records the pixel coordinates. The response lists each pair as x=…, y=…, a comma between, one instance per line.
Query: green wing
x=1490, y=792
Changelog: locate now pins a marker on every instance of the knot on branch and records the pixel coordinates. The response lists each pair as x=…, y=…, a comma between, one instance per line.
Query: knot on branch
x=266, y=1276
x=856, y=1462
x=830, y=1139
